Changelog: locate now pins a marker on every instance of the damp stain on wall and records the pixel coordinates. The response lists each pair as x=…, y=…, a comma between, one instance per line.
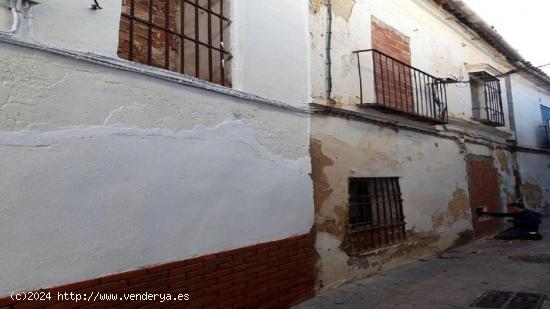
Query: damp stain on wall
x=340, y=8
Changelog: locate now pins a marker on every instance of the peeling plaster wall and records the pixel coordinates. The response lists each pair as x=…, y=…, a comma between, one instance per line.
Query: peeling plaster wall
x=535, y=177
x=269, y=40
x=534, y=167
x=433, y=180
x=105, y=171
x=528, y=98
x=439, y=46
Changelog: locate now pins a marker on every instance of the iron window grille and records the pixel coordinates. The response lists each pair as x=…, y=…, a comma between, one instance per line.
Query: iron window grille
x=486, y=99
x=184, y=36
x=390, y=84
x=375, y=214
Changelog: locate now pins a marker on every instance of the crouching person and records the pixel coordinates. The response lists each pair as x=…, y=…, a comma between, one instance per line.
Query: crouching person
x=526, y=223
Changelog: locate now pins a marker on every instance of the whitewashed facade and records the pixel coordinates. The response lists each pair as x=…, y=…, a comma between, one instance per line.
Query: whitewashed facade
x=110, y=165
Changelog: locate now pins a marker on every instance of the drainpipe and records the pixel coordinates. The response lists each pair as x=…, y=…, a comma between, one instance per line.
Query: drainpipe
x=512, y=119
x=328, y=62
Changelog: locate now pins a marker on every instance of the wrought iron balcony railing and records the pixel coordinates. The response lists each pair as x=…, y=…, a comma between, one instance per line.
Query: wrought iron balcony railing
x=390, y=84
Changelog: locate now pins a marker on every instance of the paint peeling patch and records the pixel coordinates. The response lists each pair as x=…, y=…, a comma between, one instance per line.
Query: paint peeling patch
x=321, y=187
x=438, y=219
x=503, y=161
x=458, y=209
x=533, y=195
x=417, y=244
x=459, y=206
x=340, y=8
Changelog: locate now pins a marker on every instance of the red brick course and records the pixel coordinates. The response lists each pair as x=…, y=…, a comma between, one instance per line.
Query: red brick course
x=277, y=274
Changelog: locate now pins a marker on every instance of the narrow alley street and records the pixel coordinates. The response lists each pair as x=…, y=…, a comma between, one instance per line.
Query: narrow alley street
x=453, y=280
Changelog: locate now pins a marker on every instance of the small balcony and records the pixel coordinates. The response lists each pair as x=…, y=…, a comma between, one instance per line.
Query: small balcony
x=392, y=85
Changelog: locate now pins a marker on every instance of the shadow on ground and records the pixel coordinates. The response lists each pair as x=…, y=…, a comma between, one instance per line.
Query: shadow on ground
x=453, y=280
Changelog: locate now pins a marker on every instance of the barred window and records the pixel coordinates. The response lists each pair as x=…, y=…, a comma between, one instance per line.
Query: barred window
x=375, y=214
x=185, y=36
x=486, y=99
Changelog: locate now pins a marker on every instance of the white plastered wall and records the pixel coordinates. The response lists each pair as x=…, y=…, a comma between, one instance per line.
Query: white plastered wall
x=269, y=40
x=528, y=98
x=534, y=167
x=105, y=171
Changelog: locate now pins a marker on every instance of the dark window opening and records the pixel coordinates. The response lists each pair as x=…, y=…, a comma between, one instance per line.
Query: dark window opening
x=486, y=99
x=375, y=214
x=184, y=36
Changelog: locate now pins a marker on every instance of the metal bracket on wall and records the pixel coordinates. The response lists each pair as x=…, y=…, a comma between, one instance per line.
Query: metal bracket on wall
x=96, y=6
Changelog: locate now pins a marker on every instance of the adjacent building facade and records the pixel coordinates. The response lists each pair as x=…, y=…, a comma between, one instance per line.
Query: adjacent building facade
x=249, y=152
x=414, y=129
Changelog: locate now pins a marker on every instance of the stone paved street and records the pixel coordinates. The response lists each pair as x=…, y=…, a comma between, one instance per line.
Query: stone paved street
x=454, y=280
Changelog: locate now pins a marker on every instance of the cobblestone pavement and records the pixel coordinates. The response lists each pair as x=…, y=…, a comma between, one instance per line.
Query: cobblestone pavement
x=454, y=280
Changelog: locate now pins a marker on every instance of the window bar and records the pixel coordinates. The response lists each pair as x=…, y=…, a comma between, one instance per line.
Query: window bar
x=194, y=3
x=368, y=209
x=361, y=78
x=150, y=34
x=365, y=202
x=382, y=80
x=197, y=39
x=384, y=212
x=390, y=210
x=428, y=97
x=182, y=36
x=167, y=35
x=423, y=93
x=395, y=100
x=222, y=47
x=446, y=112
x=397, y=210
x=499, y=99
x=375, y=191
x=399, y=85
x=375, y=78
x=131, y=36
x=433, y=97
x=389, y=85
x=416, y=98
x=486, y=100
x=210, y=69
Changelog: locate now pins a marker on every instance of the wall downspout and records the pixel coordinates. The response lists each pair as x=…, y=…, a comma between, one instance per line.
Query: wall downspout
x=512, y=119
x=328, y=62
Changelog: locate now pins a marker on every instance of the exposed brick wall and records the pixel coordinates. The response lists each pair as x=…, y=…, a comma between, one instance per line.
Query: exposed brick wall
x=393, y=80
x=179, y=50
x=271, y=275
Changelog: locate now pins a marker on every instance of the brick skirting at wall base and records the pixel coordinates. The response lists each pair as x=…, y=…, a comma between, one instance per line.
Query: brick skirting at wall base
x=276, y=274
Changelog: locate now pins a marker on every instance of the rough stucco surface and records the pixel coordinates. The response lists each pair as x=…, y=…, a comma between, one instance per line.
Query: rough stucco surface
x=269, y=44
x=269, y=40
x=433, y=180
x=535, y=176
x=105, y=171
x=418, y=20
x=528, y=99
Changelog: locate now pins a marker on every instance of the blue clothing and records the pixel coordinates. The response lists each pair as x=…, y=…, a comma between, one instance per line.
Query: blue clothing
x=527, y=220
